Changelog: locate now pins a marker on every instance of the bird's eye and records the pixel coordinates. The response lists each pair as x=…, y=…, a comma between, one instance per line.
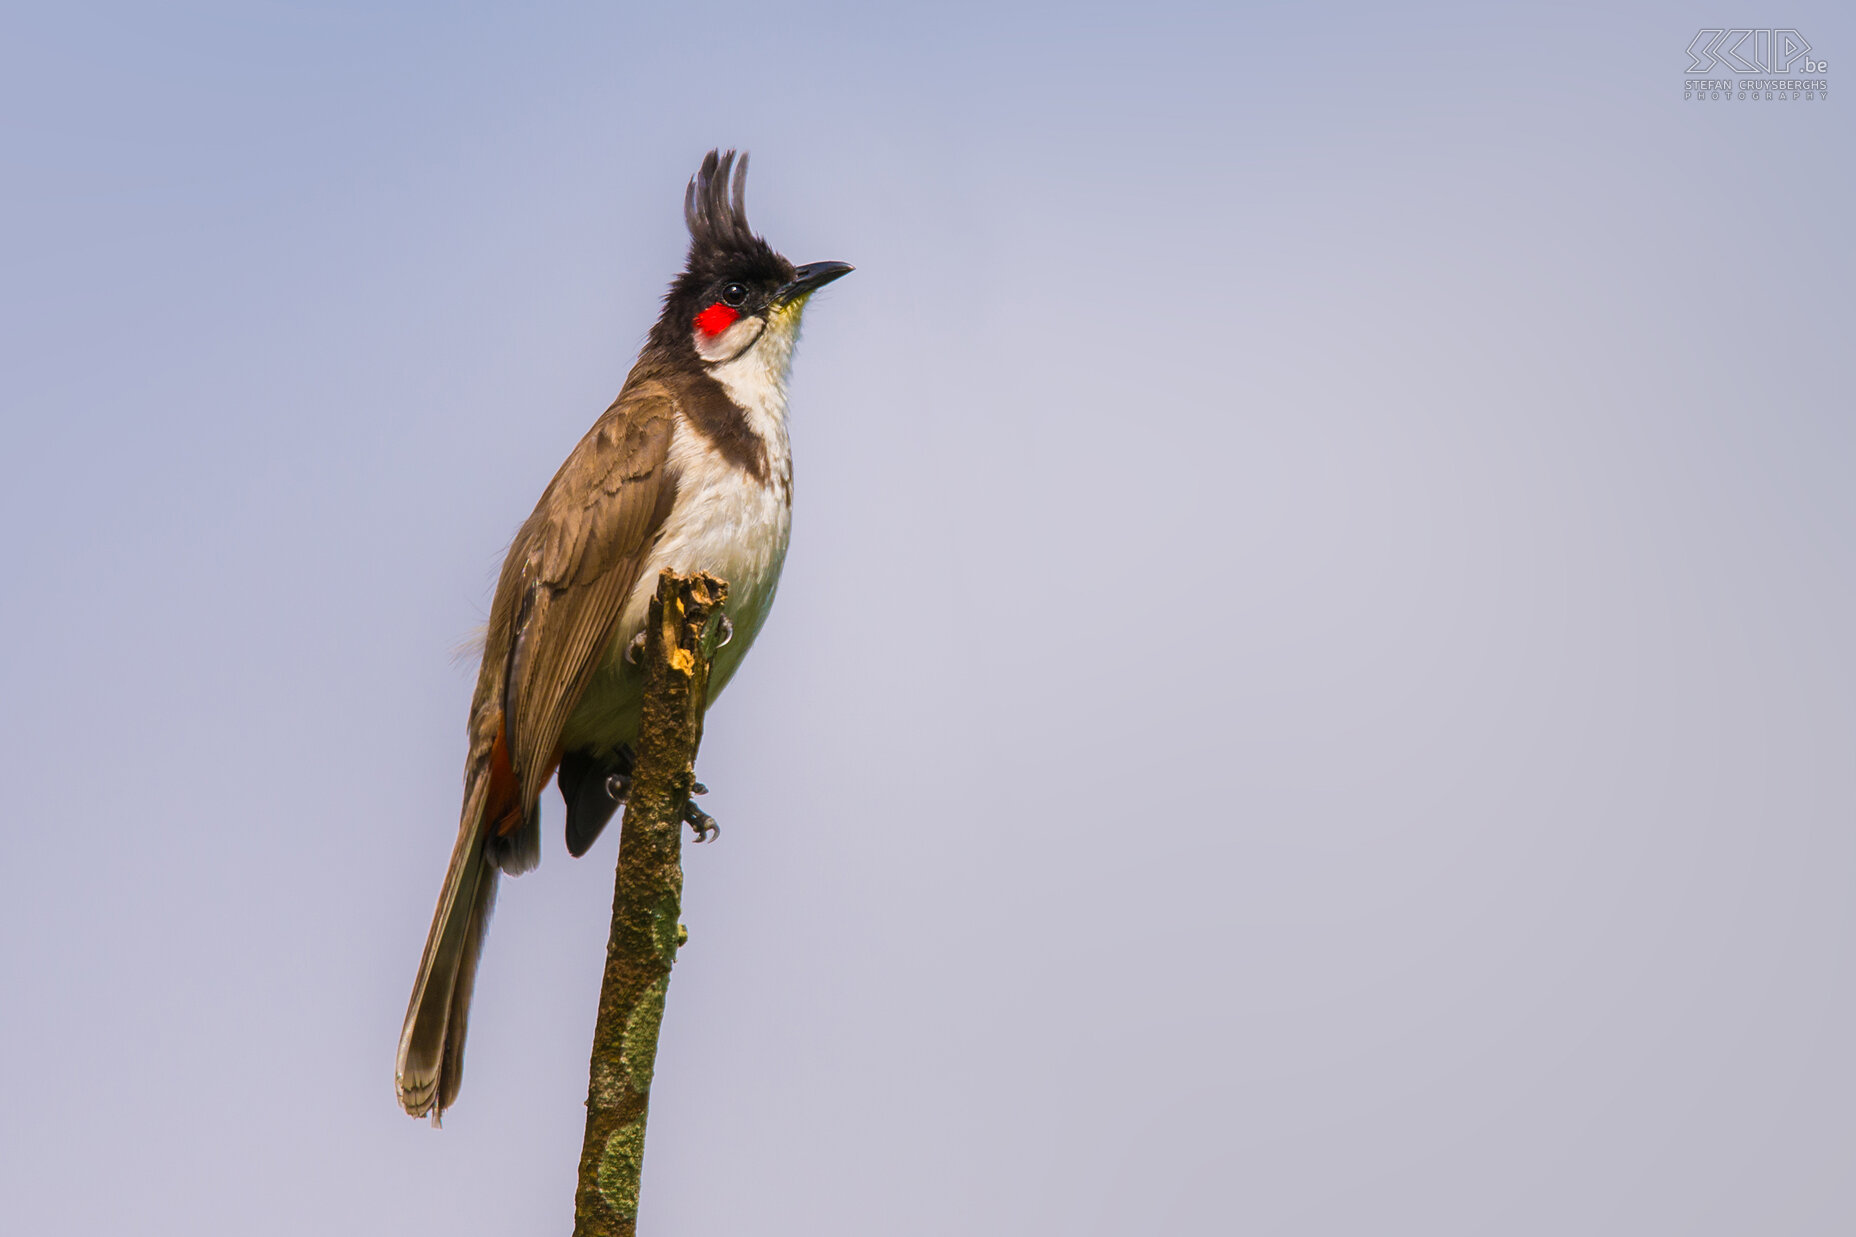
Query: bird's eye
x=734, y=294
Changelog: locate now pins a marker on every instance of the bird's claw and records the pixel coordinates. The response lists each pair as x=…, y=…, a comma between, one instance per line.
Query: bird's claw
x=727, y=631
x=618, y=787
x=635, y=649
x=703, y=823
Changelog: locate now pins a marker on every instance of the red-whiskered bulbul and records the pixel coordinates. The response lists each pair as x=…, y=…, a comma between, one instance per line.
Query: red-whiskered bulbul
x=689, y=470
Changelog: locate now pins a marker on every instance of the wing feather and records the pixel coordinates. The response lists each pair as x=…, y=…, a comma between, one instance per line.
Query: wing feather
x=568, y=575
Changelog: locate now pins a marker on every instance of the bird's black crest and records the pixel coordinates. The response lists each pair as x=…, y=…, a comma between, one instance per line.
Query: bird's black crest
x=715, y=205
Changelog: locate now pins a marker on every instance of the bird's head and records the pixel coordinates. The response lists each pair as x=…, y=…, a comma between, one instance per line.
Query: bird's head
x=736, y=295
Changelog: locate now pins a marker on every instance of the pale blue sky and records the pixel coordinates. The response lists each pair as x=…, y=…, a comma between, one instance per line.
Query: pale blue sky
x=1312, y=693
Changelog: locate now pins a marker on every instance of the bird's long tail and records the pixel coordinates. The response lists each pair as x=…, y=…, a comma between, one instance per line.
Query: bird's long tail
x=498, y=833
x=431, y=1059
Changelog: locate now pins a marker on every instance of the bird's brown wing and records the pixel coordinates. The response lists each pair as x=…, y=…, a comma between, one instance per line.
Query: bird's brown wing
x=563, y=588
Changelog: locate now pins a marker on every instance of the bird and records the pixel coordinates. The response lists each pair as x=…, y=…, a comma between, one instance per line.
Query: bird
x=691, y=470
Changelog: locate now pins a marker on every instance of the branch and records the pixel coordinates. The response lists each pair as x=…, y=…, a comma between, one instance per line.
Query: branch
x=680, y=640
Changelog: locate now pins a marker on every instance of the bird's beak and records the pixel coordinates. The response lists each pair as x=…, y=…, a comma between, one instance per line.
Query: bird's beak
x=809, y=279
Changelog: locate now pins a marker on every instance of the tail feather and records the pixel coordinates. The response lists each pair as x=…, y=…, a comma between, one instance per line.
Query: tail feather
x=431, y=1056
x=500, y=831
x=451, y=1065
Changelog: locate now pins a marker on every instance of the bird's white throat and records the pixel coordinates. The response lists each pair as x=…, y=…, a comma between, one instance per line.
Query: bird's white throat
x=751, y=360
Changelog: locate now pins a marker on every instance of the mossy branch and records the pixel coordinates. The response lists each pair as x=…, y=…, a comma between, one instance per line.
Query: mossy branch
x=681, y=635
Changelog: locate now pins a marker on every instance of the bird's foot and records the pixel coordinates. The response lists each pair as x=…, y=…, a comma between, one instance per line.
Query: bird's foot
x=703, y=823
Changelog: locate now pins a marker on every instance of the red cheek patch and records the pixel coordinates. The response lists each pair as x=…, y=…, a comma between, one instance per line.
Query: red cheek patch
x=716, y=319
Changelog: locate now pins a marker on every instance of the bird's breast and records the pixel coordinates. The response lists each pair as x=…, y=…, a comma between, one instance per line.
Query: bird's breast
x=726, y=521
x=731, y=523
